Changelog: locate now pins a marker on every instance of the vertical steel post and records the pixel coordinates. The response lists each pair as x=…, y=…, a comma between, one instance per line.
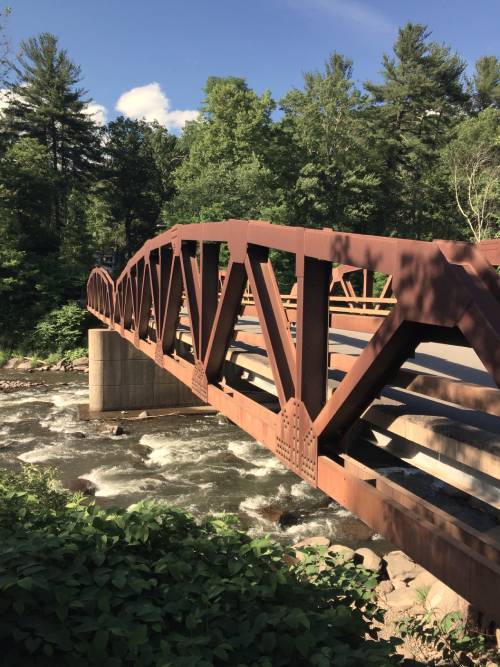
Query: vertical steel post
x=209, y=287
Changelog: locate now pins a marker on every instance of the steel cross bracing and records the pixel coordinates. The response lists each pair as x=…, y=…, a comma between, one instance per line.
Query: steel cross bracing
x=427, y=291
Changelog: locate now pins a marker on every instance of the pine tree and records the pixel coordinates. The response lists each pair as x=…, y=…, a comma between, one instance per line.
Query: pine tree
x=421, y=98
x=333, y=185
x=486, y=83
x=46, y=104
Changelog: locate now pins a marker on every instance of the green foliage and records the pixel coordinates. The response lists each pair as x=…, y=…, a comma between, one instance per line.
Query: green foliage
x=333, y=179
x=413, y=112
x=151, y=586
x=447, y=638
x=135, y=183
x=53, y=358
x=486, y=83
x=75, y=353
x=5, y=355
x=50, y=150
x=62, y=329
x=473, y=160
x=227, y=169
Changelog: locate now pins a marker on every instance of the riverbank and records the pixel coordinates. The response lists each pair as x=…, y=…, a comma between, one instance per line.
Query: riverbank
x=72, y=362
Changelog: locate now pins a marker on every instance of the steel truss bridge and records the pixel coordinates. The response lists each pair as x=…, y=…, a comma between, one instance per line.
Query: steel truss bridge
x=273, y=364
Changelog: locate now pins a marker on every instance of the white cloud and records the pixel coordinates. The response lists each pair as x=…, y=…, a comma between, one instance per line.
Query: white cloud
x=179, y=117
x=98, y=112
x=150, y=103
x=6, y=96
x=352, y=11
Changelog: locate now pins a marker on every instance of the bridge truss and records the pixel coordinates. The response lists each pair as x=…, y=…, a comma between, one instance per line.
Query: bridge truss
x=439, y=291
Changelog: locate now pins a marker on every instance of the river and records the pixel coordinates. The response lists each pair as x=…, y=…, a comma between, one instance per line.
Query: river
x=195, y=462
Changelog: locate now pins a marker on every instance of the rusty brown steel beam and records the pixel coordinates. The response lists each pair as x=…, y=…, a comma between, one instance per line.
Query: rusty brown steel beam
x=279, y=345
x=191, y=283
x=224, y=320
x=313, y=278
x=471, y=574
x=209, y=291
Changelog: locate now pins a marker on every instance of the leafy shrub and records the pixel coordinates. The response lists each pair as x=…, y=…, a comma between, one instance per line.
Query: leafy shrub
x=78, y=352
x=53, y=358
x=60, y=330
x=151, y=586
x=445, y=640
x=4, y=357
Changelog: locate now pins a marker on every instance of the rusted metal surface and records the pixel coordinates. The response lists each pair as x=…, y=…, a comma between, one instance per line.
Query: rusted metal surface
x=426, y=292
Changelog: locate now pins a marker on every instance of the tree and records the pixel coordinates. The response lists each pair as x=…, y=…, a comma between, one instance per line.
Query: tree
x=136, y=183
x=49, y=154
x=333, y=185
x=486, y=83
x=29, y=242
x=46, y=104
x=413, y=111
x=474, y=159
x=226, y=172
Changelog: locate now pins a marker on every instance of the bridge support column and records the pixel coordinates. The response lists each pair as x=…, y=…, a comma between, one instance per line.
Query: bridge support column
x=122, y=377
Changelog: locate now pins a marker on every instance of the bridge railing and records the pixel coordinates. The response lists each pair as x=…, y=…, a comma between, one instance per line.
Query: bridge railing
x=438, y=290
x=433, y=291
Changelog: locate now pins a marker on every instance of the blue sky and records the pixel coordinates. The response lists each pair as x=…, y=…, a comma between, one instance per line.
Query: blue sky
x=126, y=46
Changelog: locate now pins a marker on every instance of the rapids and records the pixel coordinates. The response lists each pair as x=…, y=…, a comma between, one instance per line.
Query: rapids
x=194, y=462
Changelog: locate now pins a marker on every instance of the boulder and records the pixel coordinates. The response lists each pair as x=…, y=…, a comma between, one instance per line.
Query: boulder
x=80, y=364
x=80, y=485
x=368, y=559
x=270, y=513
x=317, y=541
x=12, y=363
x=442, y=600
x=78, y=434
x=143, y=450
x=384, y=588
x=399, y=566
x=59, y=366
x=355, y=530
x=24, y=365
x=401, y=598
x=423, y=581
x=143, y=414
x=116, y=429
x=341, y=553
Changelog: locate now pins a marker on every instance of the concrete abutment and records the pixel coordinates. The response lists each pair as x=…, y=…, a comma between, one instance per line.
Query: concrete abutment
x=122, y=377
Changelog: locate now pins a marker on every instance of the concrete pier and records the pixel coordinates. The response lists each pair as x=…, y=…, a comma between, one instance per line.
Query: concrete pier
x=123, y=378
